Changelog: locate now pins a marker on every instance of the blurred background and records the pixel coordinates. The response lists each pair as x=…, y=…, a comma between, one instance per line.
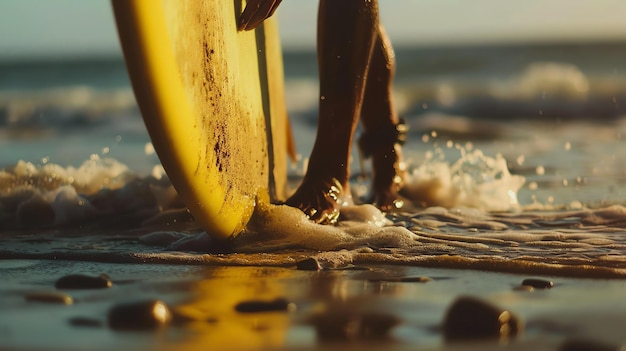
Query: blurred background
x=66, y=28
x=32, y=28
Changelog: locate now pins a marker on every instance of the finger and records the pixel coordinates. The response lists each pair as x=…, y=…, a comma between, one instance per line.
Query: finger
x=256, y=12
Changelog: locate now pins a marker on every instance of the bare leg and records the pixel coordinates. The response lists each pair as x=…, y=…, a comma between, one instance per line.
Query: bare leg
x=345, y=39
x=383, y=133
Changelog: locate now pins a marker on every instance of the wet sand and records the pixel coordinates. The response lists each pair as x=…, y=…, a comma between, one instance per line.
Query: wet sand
x=365, y=307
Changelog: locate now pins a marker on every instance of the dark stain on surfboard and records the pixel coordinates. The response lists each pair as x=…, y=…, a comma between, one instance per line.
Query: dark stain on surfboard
x=214, y=66
x=216, y=148
x=221, y=150
x=209, y=81
x=222, y=156
x=213, y=94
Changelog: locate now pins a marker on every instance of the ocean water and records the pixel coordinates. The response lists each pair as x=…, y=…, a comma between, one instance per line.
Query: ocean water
x=516, y=158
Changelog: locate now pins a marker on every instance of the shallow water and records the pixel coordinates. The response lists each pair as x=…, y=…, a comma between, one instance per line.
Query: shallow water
x=539, y=187
x=469, y=213
x=400, y=311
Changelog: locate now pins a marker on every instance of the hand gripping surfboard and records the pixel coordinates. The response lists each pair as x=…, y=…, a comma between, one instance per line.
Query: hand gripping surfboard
x=212, y=99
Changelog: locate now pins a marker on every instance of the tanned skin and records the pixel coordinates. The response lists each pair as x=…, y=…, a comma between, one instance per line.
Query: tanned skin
x=356, y=66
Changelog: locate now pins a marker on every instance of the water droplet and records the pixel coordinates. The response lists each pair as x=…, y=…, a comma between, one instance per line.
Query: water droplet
x=148, y=148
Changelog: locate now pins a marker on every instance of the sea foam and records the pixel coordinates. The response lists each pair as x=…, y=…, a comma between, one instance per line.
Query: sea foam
x=49, y=194
x=104, y=194
x=474, y=180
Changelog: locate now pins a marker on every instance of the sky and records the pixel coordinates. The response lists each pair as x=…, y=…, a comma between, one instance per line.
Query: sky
x=85, y=27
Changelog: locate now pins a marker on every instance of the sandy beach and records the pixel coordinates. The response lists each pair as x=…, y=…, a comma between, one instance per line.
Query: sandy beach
x=366, y=307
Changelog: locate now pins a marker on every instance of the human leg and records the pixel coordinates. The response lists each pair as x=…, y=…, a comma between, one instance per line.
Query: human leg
x=346, y=35
x=383, y=131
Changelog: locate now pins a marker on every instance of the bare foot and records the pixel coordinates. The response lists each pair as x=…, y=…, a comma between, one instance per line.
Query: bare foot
x=389, y=174
x=384, y=146
x=319, y=200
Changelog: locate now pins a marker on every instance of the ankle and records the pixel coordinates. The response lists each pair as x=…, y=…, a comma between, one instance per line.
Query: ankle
x=371, y=142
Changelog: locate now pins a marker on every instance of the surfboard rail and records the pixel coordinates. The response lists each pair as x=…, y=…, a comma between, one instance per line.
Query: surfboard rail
x=212, y=99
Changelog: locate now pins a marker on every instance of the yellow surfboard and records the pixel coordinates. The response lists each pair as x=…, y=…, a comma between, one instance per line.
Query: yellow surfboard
x=212, y=99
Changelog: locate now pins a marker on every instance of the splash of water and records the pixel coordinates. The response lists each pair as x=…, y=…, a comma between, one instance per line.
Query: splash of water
x=580, y=243
x=49, y=194
x=474, y=180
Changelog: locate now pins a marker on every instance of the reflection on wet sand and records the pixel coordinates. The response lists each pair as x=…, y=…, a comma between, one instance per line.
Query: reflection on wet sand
x=336, y=308
x=366, y=307
x=378, y=307
x=212, y=318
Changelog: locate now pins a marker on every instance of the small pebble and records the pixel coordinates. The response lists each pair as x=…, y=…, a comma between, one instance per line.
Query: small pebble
x=81, y=281
x=342, y=324
x=472, y=318
x=49, y=297
x=538, y=283
x=142, y=315
x=308, y=264
x=415, y=280
x=589, y=345
x=277, y=305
